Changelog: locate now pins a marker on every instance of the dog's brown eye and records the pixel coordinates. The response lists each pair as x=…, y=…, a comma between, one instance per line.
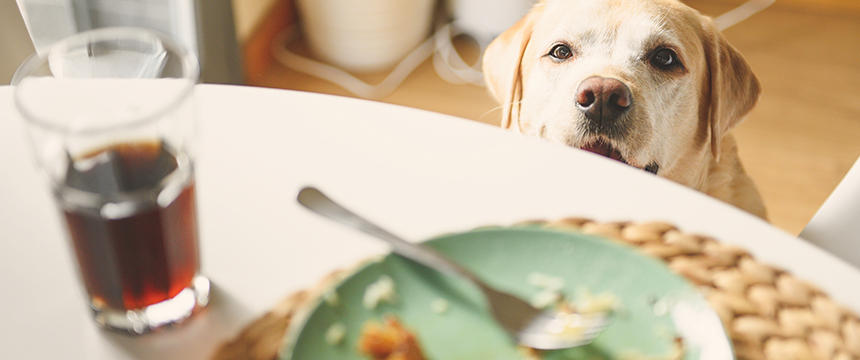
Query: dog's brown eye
x=560, y=52
x=665, y=59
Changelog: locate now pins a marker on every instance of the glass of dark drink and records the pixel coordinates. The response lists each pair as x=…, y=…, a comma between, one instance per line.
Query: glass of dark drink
x=110, y=115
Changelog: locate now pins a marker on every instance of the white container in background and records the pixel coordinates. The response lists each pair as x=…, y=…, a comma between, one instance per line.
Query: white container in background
x=486, y=19
x=366, y=35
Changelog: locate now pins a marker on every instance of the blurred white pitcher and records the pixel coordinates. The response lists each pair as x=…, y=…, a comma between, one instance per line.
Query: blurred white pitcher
x=367, y=35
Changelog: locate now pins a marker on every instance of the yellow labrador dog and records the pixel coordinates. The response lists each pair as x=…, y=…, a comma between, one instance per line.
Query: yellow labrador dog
x=651, y=83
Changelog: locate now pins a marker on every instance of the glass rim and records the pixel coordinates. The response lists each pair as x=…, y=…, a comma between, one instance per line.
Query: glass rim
x=190, y=72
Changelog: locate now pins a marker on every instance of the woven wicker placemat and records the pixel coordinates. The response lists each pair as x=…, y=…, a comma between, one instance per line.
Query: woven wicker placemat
x=768, y=313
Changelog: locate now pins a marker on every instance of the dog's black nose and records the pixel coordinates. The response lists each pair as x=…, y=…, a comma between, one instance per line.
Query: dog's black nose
x=603, y=99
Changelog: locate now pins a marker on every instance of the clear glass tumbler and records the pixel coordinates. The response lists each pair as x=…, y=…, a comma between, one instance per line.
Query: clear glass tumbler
x=111, y=118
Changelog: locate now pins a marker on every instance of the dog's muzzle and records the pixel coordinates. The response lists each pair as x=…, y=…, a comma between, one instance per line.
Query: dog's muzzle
x=603, y=102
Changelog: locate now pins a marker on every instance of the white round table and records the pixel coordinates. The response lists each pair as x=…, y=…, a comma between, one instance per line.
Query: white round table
x=417, y=172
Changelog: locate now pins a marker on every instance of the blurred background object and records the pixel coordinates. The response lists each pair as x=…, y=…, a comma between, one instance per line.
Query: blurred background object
x=485, y=19
x=835, y=227
x=203, y=26
x=380, y=35
x=364, y=36
x=359, y=37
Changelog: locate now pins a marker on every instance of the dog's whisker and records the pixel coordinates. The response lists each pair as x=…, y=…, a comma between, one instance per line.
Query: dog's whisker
x=495, y=108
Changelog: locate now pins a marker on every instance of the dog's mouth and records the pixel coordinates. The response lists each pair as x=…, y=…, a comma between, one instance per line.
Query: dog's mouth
x=602, y=147
x=605, y=148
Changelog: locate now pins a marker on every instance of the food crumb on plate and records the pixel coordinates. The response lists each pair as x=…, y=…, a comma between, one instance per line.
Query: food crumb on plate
x=381, y=290
x=589, y=303
x=550, y=289
x=335, y=334
x=545, y=282
x=545, y=299
x=330, y=297
x=389, y=341
x=439, y=306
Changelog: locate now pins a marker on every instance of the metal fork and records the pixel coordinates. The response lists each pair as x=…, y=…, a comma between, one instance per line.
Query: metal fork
x=530, y=326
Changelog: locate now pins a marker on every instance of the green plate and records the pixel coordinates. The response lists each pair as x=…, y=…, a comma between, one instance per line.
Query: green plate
x=656, y=305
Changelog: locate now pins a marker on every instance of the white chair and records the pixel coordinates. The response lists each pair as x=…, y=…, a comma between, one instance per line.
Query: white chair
x=836, y=225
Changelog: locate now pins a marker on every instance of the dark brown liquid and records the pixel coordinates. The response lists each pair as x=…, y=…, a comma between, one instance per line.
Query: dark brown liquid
x=139, y=257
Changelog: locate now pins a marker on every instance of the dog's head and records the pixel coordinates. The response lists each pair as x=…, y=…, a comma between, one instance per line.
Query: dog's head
x=651, y=83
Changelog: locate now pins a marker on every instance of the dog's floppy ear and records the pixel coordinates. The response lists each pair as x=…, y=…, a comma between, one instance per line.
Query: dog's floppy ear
x=734, y=89
x=502, y=64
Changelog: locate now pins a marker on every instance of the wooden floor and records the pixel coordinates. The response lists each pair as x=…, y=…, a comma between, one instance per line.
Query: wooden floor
x=797, y=144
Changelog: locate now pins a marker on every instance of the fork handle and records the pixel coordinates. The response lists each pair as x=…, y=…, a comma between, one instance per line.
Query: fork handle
x=316, y=201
